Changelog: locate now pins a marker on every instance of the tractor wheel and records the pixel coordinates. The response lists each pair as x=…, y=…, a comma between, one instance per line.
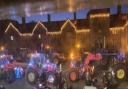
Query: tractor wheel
x=32, y=77
x=120, y=72
x=73, y=75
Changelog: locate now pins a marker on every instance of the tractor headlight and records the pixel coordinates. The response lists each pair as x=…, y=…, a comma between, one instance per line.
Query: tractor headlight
x=40, y=85
x=51, y=79
x=2, y=66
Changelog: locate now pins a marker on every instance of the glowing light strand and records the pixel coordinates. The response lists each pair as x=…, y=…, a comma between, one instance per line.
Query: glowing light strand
x=25, y=34
x=50, y=33
x=115, y=30
x=100, y=15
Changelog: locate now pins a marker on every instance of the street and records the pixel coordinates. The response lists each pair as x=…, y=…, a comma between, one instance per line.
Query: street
x=22, y=84
x=19, y=84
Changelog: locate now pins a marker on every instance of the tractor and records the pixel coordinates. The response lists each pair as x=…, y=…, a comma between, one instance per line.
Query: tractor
x=43, y=72
x=10, y=70
x=101, y=70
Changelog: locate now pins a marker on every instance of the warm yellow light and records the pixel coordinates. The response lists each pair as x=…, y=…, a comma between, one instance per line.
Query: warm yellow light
x=39, y=23
x=11, y=25
x=71, y=55
x=116, y=30
x=47, y=47
x=44, y=28
x=77, y=45
x=83, y=30
x=54, y=33
x=71, y=5
x=100, y=15
x=2, y=48
x=65, y=24
x=26, y=34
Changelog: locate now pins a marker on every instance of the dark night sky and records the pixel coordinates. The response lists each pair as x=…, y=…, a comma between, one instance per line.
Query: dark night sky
x=81, y=14
x=35, y=10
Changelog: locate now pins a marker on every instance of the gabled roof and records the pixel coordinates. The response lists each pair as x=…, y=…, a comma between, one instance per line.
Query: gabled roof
x=66, y=23
x=24, y=34
x=14, y=28
x=42, y=25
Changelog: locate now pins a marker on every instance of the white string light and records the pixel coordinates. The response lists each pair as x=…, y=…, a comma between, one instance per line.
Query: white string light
x=115, y=30
x=100, y=15
x=26, y=34
x=50, y=33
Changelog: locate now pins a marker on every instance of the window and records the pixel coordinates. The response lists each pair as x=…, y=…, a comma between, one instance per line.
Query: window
x=39, y=36
x=12, y=38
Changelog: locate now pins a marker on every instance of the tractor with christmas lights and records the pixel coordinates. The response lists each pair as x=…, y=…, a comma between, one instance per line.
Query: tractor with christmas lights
x=42, y=71
x=10, y=70
x=85, y=70
x=116, y=68
x=100, y=69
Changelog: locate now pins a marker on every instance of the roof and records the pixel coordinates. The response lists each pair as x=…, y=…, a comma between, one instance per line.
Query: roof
x=117, y=20
x=55, y=26
x=98, y=11
x=82, y=24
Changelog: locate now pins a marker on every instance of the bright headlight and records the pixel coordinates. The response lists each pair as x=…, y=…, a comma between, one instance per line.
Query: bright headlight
x=40, y=85
x=1, y=66
x=50, y=79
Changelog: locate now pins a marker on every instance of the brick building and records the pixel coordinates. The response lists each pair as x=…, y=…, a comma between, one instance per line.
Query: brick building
x=100, y=29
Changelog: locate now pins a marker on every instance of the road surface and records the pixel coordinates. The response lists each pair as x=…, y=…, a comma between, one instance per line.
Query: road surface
x=22, y=84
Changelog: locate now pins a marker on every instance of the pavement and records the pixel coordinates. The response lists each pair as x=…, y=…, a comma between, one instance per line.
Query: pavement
x=18, y=84
x=22, y=84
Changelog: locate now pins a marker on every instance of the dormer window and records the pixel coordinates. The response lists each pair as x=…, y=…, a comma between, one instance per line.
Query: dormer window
x=12, y=38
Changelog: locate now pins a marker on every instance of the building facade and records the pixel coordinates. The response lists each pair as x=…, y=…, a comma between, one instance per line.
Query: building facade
x=100, y=30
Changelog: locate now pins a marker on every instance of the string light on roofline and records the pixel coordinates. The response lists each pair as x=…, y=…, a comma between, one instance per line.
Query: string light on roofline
x=99, y=15
x=26, y=34
x=48, y=33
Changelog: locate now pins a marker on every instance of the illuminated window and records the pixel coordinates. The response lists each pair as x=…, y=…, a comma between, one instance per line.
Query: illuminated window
x=39, y=36
x=12, y=38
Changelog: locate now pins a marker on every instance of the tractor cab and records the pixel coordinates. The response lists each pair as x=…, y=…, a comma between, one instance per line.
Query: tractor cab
x=37, y=60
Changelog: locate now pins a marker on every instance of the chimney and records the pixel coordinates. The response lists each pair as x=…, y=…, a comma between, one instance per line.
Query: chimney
x=24, y=23
x=23, y=20
x=74, y=15
x=49, y=18
x=119, y=9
